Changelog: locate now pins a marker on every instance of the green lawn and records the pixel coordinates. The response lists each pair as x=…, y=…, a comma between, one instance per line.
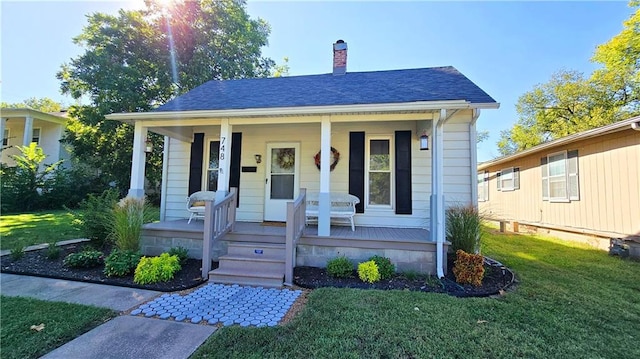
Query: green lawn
x=34, y=228
x=571, y=302
x=62, y=322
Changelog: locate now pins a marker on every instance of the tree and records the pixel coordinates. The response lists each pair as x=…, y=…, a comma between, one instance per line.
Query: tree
x=44, y=104
x=139, y=59
x=569, y=102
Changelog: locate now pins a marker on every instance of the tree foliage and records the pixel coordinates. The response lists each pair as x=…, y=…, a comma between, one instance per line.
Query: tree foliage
x=136, y=60
x=570, y=102
x=44, y=104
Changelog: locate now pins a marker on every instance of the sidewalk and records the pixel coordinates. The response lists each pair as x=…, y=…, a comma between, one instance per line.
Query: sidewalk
x=122, y=337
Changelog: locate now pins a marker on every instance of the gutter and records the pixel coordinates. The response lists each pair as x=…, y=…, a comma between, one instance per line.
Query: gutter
x=473, y=151
x=635, y=126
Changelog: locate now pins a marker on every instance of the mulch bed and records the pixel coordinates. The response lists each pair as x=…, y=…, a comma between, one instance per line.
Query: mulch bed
x=36, y=263
x=497, y=277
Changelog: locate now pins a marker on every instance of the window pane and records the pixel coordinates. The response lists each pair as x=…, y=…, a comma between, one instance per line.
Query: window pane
x=556, y=165
x=36, y=136
x=379, y=159
x=380, y=188
x=214, y=155
x=507, y=183
x=557, y=187
x=212, y=180
x=282, y=186
x=283, y=160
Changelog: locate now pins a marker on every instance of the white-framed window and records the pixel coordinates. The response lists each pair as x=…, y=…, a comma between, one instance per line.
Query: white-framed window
x=560, y=177
x=35, y=137
x=212, y=166
x=379, y=174
x=5, y=137
x=483, y=186
x=508, y=179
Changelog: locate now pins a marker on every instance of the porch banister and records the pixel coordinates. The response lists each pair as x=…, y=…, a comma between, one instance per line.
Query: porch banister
x=207, y=238
x=295, y=227
x=219, y=219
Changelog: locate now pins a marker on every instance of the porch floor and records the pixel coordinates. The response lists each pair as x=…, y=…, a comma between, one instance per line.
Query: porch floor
x=418, y=235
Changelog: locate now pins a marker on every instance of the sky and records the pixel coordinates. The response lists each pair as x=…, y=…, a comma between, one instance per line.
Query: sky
x=504, y=47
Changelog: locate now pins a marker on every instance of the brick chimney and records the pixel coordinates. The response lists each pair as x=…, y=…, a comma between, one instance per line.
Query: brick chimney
x=339, y=58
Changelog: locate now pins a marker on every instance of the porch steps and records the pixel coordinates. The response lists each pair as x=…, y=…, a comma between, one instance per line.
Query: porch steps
x=246, y=263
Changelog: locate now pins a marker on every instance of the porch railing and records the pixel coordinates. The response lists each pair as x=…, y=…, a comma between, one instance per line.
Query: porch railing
x=219, y=219
x=295, y=227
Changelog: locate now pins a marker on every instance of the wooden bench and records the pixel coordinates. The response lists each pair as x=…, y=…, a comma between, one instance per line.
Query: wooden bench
x=343, y=206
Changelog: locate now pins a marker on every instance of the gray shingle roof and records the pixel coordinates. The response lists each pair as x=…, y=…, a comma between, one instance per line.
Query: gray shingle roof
x=353, y=88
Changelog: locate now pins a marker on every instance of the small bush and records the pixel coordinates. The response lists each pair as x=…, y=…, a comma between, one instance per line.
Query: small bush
x=468, y=268
x=17, y=251
x=181, y=252
x=53, y=251
x=411, y=274
x=88, y=258
x=464, y=228
x=385, y=267
x=120, y=263
x=156, y=269
x=368, y=272
x=129, y=214
x=340, y=267
x=96, y=215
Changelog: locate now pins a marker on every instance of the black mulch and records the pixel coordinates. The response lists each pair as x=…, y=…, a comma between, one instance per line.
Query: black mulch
x=496, y=279
x=36, y=263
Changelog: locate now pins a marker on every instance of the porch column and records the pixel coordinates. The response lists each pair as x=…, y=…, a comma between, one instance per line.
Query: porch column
x=28, y=131
x=224, y=162
x=138, y=159
x=437, y=193
x=324, y=197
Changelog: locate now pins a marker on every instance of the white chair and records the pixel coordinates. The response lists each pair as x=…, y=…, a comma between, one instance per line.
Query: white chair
x=196, y=202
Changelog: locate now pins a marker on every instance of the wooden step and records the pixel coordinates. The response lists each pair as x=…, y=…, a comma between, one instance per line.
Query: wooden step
x=237, y=237
x=257, y=263
x=270, y=250
x=247, y=277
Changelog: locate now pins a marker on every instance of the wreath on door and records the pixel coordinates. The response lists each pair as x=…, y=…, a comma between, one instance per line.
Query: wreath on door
x=286, y=158
x=334, y=154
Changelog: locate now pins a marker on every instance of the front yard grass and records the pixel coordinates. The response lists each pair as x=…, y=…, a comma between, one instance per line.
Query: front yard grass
x=35, y=228
x=571, y=302
x=62, y=322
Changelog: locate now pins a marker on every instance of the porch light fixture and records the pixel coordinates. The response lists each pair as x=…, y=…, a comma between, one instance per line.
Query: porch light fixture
x=424, y=142
x=148, y=146
x=258, y=158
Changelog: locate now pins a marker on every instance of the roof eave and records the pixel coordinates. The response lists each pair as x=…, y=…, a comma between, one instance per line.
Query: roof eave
x=303, y=110
x=29, y=112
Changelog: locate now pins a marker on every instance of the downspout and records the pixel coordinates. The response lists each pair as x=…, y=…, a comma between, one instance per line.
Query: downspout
x=165, y=175
x=473, y=152
x=635, y=126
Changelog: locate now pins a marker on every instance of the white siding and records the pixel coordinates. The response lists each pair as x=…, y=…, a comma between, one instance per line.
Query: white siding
x=457, y=171
x=50, y=135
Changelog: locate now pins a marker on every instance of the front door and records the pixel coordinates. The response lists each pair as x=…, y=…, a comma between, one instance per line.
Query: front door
x=281, y=183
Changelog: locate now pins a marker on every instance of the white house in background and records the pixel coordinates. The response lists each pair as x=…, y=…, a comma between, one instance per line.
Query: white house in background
x=350, y=132
x=21, y=126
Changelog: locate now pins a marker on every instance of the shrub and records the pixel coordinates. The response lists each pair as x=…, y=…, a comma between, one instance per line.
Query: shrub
x=368, y=272
x=181, y=252
x=129, y=214
x=88, y=258
x=120, y=263
x=17, y=251
x=411, y=274
x=53, y=251
x=468, y=268
x=96, y=215
x=340, y=267
x=385, y=267
x=156, y=269
x=464, y=229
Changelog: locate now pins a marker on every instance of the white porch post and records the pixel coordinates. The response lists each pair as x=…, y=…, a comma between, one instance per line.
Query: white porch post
x=437, y=193
x=28, y=131
x=136, y=188
x=324, y=197
x=224, y=161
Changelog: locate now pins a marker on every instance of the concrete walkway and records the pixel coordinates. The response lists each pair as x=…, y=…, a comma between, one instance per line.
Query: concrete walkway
x=122, y=337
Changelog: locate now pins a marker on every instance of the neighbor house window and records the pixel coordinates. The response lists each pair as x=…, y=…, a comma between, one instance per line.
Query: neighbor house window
x=379, y=172
x=5, y=137
x=483, y=186
x=36, y=136
x=508, y=179
x=560, y=177
x=213, y=166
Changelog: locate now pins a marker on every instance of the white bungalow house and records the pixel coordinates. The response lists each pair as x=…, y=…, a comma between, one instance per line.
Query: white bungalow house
x=263, y=135
x=22, y=126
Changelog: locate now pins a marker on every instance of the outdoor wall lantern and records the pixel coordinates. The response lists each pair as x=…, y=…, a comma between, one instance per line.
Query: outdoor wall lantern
x=424, y=142
x=258, y=158
x=148, y=146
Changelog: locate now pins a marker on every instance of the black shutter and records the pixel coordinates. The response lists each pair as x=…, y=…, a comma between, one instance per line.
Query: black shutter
x=234, y=176
x=195, y=163
x=356, y=168
x=403, y=172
